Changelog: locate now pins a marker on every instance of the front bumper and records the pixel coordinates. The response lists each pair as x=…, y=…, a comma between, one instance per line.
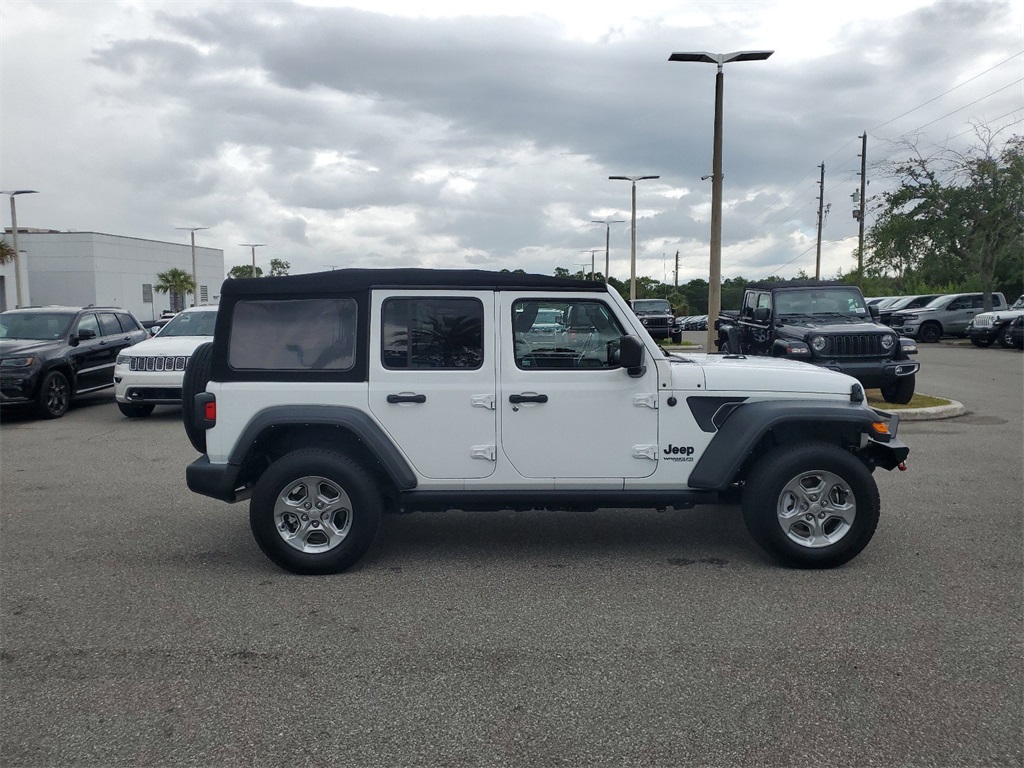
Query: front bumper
x=162, y=388
x=871, y=373
x=18, y=387
x=984, y=334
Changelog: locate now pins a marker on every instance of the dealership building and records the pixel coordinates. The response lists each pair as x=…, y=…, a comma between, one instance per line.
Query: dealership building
x=81, y=268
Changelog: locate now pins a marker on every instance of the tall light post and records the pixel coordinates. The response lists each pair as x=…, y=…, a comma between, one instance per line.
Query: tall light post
x=591, y=251
x=607, y=241
x=254, y=246
x=632, y=252
x=195, y=279
x=14, y=238
x=715, y=277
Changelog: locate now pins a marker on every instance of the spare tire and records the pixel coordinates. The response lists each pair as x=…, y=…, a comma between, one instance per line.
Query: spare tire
x=197, y=375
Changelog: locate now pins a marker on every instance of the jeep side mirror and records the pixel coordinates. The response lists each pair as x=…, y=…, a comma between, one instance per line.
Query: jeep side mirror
x=873, y=310
x=85, y=334
x=631, y=355
x=762, y=314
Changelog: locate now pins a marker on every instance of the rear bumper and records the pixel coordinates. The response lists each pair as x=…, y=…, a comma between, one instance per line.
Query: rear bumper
x=218, y=481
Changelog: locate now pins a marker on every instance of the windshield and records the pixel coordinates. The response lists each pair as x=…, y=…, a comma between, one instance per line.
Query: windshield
x=190, y=324
x=652, y=305
x=820, y=301
x=1018, y=304
x=39, y=326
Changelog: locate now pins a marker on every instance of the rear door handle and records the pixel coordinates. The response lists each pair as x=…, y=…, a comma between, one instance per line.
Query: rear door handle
x=527, y=398
x=407, y=398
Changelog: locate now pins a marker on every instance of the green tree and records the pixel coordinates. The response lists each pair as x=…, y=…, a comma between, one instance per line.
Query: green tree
x=279, y=267
x=6, y=252
x=176, y=282
x=244, y=270
x=954, y=219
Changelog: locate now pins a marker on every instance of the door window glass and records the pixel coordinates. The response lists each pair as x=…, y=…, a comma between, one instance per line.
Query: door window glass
x=293, y=335
x=432, y=332
x=109, y=324
x=88, y=323
x=565, y=334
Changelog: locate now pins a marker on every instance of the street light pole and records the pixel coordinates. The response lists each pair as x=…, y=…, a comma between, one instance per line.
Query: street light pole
x=195, y=278
x=591, y=251
x=14, y=238
x=632, y=253
x=254, y=246
x=607, y=242
x=715, y=276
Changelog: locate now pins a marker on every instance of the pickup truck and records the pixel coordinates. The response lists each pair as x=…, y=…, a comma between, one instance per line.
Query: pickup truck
x=824, y=323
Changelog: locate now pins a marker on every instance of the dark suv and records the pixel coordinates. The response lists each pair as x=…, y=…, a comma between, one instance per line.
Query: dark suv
x=50, y=354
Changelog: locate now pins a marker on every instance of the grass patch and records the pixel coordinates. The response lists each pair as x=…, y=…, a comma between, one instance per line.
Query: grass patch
x=917, y=401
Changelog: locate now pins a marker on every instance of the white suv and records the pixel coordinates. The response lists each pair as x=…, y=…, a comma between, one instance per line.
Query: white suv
x=150, y=373
x=330, y=398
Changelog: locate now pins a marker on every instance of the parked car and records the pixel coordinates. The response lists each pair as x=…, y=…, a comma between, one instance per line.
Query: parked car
x=887, y=308
x=150, y=373
x=329, y=399
x=988, y=327
x=947, y=315
x=656, y=316
x=49, y=355
x=1017, y=332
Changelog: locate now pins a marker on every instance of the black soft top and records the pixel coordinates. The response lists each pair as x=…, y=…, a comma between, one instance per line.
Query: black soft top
x=350, y=280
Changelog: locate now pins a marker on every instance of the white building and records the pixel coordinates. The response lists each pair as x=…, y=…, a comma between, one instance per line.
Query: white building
x=80, y=268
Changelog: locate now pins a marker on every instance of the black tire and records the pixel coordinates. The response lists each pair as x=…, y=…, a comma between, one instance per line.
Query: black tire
x=136, y=411
x=353, y=507
x=197, y=376
x=1005, y=337
x=723, y=346
x=929, y=333
x=54, y=396
x=841, y=478
x=900, y=391
x=981, y=342
x=675, y=336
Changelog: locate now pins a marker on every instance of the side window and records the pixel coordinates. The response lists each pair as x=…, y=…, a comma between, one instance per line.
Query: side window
x=764, y=301
x=293, y=335
x=88, y=323
x=128, y=323
x=978, y=301
x=749, y=302
x=432, y=333
x=109, y=324
x=958, y=304
x=585, y=334
x=996, y=301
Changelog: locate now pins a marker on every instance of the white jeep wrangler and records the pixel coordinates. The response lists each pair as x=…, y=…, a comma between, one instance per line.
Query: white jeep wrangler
x=330, y=398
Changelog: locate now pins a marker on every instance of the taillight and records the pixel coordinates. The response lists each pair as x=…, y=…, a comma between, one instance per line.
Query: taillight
x=210, y=411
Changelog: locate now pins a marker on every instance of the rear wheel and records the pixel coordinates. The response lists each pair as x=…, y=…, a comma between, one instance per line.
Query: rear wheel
x=54, y=396
x=136, y=411
x=811, y=505
x=197, y=376
x=900, y=391
x=315, y=512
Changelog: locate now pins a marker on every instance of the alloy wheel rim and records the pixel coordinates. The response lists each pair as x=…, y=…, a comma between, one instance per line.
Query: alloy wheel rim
x=313, y=514
x=57, y=395
x=816, y=509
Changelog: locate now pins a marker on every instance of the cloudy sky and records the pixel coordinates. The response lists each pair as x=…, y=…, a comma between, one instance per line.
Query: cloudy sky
x=460, y=133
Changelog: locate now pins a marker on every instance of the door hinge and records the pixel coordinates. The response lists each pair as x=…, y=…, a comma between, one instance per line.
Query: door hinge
x=645, y=452
x=483, y=452
x=482, y=401
x=646, y=401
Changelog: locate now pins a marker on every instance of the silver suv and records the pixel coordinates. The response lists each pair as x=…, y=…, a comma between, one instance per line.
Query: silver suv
x=945, y=316
x=328, y=399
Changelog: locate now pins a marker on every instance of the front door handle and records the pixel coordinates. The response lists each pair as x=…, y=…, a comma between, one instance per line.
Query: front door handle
x=407, y=398
x=527, y=399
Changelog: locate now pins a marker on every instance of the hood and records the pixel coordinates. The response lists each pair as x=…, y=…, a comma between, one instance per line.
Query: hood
x=1002, y=314
x=834, y=325
x=12, y=347
x=761, y=374
x=171, y=346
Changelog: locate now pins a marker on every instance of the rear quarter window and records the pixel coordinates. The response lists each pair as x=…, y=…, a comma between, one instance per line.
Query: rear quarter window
x=293, y=335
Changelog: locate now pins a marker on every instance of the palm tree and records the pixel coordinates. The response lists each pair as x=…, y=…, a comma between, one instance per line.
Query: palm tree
x=177, y=282
x=6, y=252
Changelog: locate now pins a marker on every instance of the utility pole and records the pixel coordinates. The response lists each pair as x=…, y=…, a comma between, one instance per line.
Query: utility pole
x=677, y=269
x=863, y=198
x=821, y=217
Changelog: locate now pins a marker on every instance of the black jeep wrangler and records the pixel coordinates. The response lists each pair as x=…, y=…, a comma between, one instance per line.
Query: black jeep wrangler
x=824, y=323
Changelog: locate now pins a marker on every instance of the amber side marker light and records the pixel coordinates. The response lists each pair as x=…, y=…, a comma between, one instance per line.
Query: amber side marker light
x=879, y=426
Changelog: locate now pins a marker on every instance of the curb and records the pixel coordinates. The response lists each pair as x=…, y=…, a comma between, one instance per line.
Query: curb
x=934, y=413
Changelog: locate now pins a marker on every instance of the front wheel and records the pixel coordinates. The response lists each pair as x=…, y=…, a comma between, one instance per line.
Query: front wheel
x=1005, y=337
x=978, y=342
x=54, y=396
x=900, y=391
x=811, y=505
x=315, y=512
x=930, y=333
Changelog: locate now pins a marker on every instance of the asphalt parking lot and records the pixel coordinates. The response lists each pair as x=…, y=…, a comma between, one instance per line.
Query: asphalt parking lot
x=142, y=626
